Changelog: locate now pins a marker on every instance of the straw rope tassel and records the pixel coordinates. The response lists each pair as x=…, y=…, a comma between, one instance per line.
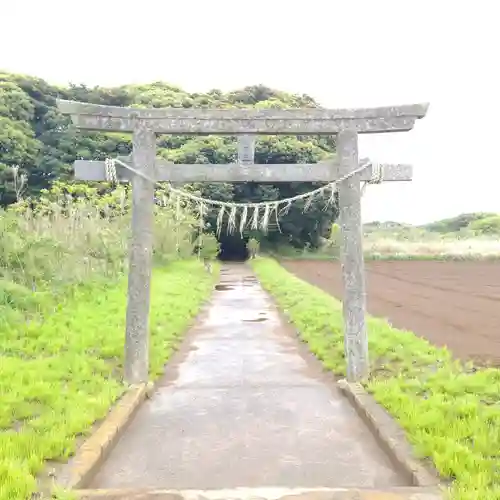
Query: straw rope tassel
x=280, y=207
x=220, y=219
x=264, y=223
x=308, y=203
x=231, y=223
x=331, y=199
x=243, y=219
x=255, y=218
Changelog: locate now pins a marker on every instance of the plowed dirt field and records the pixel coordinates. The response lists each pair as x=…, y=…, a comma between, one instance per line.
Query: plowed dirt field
x=456, y=304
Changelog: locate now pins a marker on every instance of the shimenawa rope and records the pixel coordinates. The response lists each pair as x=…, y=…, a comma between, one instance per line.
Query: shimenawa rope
x=262, y=211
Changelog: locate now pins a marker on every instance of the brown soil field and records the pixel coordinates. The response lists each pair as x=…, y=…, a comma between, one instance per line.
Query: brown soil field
x=453, y=304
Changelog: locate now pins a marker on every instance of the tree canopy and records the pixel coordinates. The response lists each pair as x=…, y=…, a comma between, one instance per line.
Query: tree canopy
x=44, y=145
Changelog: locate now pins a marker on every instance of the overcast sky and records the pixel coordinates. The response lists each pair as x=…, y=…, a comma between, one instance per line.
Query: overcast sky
x=343, y=53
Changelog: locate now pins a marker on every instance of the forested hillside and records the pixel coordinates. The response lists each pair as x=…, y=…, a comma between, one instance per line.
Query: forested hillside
x=41, y=143
x=462, y=226
x=478, y=222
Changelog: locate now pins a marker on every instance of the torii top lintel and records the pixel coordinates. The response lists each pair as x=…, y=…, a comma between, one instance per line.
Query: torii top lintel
x=194, y=121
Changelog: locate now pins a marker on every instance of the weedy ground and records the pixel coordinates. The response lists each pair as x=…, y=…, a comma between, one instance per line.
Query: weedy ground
x=61, y=372
x=449, y=410
x=63, y=293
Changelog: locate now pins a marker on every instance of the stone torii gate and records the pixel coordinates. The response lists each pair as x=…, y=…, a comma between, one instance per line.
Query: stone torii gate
x=144, y=124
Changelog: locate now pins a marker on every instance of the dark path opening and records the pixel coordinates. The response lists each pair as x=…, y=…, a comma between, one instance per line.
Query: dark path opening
x=233, y=247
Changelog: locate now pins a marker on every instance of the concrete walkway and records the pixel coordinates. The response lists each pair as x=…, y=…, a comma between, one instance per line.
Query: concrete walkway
x=242, y=405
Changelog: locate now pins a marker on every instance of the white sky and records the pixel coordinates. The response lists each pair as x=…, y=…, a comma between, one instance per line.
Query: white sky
x=343, y=53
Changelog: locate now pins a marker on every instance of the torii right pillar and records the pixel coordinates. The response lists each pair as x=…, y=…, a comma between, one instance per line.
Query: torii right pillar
x=352, y=261
x=351, y=257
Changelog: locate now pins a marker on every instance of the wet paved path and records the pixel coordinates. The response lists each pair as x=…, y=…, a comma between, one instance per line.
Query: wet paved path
x=242, y=405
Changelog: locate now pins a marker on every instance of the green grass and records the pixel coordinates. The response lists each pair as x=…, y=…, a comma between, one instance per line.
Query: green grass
x=60, y=372
x=450, y=411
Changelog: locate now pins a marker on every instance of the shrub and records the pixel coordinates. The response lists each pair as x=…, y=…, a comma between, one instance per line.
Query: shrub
x=253, y=247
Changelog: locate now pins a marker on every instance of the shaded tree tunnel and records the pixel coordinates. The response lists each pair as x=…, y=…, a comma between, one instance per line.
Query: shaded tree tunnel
x=233, y=247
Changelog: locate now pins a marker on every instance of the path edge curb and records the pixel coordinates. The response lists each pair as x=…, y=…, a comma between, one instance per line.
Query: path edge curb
x=389, y=435
x=97, y=447
x=264, y=493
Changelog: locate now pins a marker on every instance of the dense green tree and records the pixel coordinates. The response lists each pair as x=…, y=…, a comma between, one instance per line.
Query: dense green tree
x=42, y=143
x=489, y=225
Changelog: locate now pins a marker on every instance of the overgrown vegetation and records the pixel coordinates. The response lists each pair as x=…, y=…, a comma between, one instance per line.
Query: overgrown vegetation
x=449, y=410
x=62, y=313
x=38, y=140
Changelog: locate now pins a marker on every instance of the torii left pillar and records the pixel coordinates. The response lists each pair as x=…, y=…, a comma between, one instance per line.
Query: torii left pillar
x=140, y=255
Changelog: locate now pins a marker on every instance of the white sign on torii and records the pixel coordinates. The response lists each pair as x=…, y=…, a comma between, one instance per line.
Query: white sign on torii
x=146, y=123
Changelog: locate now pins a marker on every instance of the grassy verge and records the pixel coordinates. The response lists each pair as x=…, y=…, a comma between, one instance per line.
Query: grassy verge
x=450, y=411
x=60, y=372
